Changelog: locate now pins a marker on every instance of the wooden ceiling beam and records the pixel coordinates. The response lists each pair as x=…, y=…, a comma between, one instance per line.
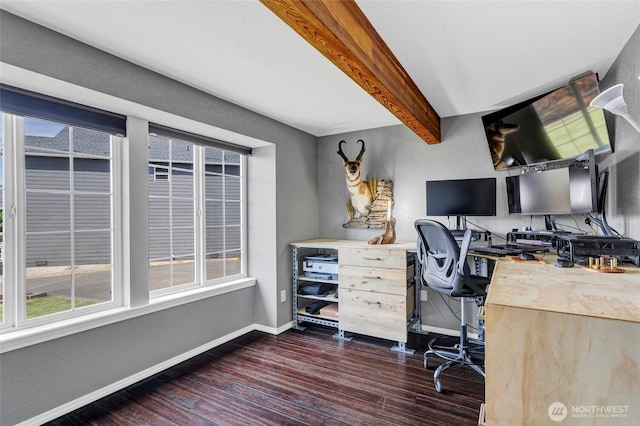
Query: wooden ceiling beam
x=343, y=34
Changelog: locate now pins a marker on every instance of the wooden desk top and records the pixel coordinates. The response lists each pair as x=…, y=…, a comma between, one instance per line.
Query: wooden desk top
x=330, y=243
x=541, y=286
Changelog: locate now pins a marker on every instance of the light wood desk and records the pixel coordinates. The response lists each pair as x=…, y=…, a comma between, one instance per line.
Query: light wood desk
x=564, y=335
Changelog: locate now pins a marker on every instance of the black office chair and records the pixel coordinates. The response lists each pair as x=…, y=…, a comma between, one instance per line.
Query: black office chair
x=444, y=268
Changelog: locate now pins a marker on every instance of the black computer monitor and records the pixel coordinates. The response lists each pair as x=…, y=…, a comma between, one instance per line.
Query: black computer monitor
x=461, y=197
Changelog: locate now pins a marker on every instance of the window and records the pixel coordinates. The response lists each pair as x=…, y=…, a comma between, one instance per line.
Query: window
x=160, y=173
x=172, y=221
x=1, y=220
x=62, y=213
x=196, y=214
x=224, y=211
x=60, y=258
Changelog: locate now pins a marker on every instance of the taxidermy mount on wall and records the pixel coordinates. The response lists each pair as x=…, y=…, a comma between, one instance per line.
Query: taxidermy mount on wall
x=359, y=190
x=368, y=199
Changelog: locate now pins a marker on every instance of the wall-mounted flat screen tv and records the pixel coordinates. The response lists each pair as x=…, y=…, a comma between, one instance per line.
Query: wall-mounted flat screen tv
x=555, y=126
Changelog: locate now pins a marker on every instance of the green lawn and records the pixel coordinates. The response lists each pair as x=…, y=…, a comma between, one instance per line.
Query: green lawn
x=49, y=305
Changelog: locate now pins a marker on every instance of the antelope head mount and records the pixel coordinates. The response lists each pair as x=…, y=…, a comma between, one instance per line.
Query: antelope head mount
x=358, y=190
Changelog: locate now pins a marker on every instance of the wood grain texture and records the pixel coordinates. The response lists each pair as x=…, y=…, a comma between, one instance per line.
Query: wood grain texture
x=335, y=244
x=543, y=286
x=343, y=34
x=381, y=280
x=387, y=256
x=296, y=378
x=562, y=335
x=374, y=296
x=375, y=314
x=554, y=357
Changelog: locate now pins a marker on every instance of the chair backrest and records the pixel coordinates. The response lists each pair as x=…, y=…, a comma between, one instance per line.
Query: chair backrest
x=443, y=263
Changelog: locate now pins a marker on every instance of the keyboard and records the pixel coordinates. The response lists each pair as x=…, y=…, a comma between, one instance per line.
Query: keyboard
x=495, y=250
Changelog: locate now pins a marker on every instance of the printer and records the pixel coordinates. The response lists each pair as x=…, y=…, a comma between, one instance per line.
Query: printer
x=321, y=266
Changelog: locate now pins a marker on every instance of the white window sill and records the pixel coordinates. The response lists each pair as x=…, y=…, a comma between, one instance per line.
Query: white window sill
x=13, y=340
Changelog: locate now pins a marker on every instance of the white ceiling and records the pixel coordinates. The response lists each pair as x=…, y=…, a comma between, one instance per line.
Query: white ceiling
x=465, y=56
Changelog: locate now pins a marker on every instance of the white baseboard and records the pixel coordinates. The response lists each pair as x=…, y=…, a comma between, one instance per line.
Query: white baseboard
x=128, y=381
x=275, y=331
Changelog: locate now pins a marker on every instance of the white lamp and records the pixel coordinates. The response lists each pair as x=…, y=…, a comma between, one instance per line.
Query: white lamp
x=612, y=100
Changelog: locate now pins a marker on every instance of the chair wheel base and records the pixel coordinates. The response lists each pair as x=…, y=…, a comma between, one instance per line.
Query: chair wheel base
x=453, y=355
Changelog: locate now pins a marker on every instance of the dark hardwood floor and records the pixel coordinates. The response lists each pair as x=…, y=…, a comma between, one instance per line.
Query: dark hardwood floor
x=296, y=378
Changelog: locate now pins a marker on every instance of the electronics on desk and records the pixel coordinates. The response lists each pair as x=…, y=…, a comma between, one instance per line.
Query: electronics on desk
x=535, y=238
x=506, y=249
x=476, y=235
x=458, y=234
x=461, y=198
x=527, y=256
x=576, y=246
x=321, y=266
x=564, y=263
x=566, y=190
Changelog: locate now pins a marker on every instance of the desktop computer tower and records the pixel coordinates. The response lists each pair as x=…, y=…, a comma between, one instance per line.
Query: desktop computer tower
x=577, y=246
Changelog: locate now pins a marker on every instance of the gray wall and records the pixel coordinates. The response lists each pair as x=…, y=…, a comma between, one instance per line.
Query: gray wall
x=395, y=153
x=623, y=207
x=282, y=204
x=42, y=377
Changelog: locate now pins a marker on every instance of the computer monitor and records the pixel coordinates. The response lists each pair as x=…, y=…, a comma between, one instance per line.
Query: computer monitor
x=461, y=197
x=567, y=190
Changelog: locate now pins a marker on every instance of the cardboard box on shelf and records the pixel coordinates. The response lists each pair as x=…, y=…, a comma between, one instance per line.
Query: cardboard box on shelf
x=330, y=310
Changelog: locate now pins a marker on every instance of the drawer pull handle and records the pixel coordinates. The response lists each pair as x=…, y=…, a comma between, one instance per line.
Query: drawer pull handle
x=369, y=277
x=371, y=258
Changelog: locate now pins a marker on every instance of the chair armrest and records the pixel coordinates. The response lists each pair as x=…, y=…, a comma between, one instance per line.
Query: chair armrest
x=464, y=248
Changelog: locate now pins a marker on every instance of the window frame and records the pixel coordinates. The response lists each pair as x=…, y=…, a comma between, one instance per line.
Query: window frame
x=200, y=253
x=15, y=312
x=243, y=215
x=159, y=176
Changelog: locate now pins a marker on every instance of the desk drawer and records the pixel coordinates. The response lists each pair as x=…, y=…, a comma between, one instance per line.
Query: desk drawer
x=374, y=314
x=373, y=257
x=378, y=280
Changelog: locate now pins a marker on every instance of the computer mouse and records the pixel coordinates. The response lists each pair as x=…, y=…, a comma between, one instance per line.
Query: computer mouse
x=564, y=263
x=527, y=256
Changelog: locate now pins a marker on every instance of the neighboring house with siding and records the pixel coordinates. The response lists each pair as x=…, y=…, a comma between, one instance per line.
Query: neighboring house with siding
x=49, y=175
x=48, y=170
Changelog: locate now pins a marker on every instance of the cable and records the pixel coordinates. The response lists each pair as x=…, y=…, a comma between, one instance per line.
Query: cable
x=486, y=230
x=574, y=219
x=478, y=226
x=562, y=225
x=598, y=222
x=447, y=320
x=447, y=302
